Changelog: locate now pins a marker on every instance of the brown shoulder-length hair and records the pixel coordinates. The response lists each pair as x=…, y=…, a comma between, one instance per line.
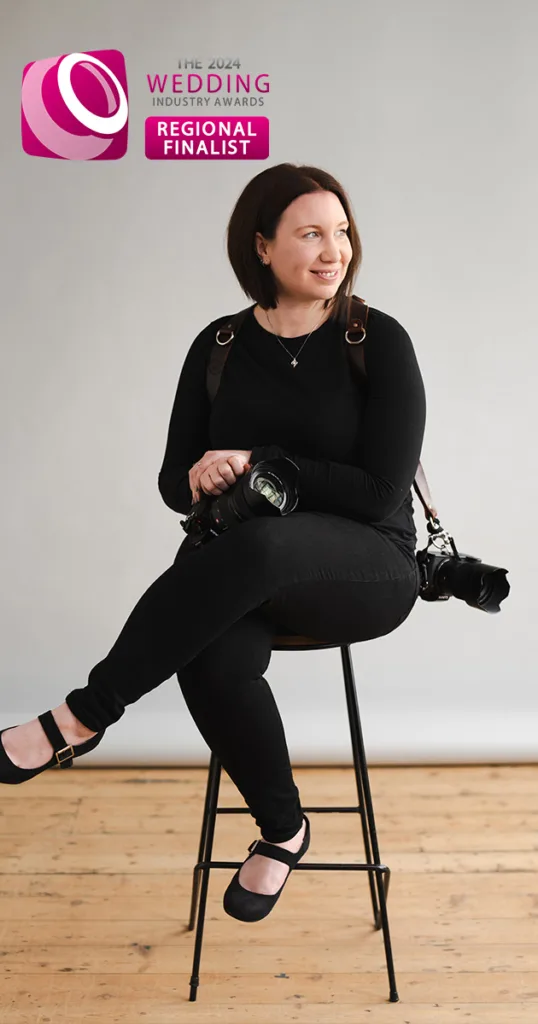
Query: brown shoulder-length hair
x=260, y=207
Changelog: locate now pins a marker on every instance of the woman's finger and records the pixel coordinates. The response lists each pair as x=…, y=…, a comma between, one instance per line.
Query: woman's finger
x=197, y=471
x=221, y=473
x=217, y=478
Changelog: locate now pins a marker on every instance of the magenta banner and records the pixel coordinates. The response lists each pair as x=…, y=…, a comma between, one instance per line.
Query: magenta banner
x=207, y=138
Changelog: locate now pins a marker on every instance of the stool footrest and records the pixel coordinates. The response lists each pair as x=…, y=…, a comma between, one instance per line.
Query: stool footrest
x=202, y=864
x=313, y=810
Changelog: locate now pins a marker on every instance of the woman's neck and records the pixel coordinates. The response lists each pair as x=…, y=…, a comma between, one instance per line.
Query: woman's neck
x=290, y=323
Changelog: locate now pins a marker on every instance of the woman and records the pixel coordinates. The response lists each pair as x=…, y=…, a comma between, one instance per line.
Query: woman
x=341, y=568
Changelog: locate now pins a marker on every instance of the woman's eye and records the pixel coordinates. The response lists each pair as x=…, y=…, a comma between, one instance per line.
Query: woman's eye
x=317, y=232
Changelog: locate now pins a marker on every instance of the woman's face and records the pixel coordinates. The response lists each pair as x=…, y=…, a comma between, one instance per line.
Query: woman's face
x=312, y=235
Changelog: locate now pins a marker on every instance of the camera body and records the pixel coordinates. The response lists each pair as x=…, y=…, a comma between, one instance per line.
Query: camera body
x=452, y=573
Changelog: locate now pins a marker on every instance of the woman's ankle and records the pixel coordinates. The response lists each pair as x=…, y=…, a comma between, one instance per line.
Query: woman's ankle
x=68, y=723
x=280, y=842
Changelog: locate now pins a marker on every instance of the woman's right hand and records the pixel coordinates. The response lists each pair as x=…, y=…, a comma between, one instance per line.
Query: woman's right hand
x=218, y=470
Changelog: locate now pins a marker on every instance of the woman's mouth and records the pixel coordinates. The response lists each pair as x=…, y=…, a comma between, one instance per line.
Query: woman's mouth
x=324, y=276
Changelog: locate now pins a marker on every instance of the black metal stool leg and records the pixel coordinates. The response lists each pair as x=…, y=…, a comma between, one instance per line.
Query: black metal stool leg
x=204, y=855
x=353, y=716
x=213, y=779
x=368, y=827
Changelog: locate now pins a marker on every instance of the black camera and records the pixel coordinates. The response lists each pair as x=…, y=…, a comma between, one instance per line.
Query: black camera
x=268, y=489
x=451, y=573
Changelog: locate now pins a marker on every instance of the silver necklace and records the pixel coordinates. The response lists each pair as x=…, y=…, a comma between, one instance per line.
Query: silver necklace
x=293, y=358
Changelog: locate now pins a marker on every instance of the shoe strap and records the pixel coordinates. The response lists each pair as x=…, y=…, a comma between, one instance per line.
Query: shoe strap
x=276, y=852
x=63, y=751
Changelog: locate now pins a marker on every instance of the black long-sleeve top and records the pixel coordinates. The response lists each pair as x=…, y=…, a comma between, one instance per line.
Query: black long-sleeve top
x=357, y=446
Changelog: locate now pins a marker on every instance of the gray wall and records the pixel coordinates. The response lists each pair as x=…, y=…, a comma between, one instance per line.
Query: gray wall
x=426, y=113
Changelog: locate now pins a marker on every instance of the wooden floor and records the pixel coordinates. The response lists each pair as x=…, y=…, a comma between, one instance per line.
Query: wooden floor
x=96, y=872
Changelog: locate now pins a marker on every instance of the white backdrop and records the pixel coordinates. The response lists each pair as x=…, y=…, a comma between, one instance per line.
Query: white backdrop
x=426, y=114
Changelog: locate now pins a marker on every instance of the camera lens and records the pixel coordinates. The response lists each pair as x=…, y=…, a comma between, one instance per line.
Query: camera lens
x=266, y=485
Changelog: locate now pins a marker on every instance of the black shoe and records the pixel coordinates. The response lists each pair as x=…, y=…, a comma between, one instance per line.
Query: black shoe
x=63, y=752
x=253, y=906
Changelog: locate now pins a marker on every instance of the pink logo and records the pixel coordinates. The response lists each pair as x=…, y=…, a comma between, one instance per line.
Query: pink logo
x=74, y=107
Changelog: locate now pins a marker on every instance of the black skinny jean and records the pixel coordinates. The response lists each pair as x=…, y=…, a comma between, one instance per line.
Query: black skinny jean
x=211, y=617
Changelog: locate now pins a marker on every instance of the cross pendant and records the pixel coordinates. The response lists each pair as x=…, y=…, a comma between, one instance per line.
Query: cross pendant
x=294, y=363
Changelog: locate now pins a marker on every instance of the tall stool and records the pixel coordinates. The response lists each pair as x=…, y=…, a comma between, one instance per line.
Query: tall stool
x=286, y=640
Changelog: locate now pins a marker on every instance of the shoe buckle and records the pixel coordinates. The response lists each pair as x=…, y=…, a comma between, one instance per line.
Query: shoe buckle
x=68, y=756
x=253, y=845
